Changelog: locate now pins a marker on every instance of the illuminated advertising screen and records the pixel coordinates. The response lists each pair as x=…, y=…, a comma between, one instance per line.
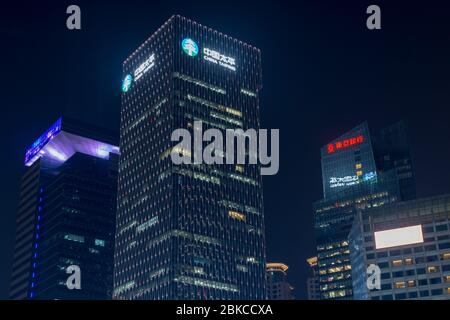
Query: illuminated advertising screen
x=398, y=237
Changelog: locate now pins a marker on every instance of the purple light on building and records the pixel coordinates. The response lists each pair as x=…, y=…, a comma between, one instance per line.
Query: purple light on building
x=32, y=153
x=55, y=146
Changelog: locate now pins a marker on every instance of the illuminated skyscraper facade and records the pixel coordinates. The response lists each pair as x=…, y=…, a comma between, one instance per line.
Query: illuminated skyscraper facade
x=347, y=161
x=312, y=282
x=358, y=173
x=66, y=214
x=188, y=231
x=278, y=287
x=410, y=244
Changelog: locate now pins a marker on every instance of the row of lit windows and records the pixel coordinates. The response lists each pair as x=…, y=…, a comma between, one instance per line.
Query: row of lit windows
x=413, y=272
x=424, y=294
x=418, y=260
x=420, y=282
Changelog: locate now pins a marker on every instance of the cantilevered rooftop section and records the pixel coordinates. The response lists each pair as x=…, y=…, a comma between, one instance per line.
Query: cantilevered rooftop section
x=67, y=137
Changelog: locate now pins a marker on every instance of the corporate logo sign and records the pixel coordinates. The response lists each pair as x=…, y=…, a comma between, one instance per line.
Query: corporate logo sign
x=348, y=181
x=333, y=147
x=143, y=68
x=126, y=83
x=191, y=48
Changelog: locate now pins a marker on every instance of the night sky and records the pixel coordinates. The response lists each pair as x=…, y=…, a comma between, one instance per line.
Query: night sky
x=324, y=72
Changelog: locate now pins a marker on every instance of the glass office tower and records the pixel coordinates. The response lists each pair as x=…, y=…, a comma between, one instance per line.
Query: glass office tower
x=188, y=231
x=333, y=222
x=392, y=152
x=360, y=170
x=66, y=214
x=348, y=161
x=410, y=242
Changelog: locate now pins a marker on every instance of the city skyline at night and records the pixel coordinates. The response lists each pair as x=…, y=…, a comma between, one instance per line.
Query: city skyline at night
x=322, y=73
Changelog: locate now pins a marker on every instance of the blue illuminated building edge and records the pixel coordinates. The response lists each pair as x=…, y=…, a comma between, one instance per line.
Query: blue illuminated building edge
x=37, y=146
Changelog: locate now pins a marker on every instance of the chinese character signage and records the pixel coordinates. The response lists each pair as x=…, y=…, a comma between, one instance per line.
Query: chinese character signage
x=343, y=144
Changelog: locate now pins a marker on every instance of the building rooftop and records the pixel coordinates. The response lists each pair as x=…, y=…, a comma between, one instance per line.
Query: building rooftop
x=64, y=139
x=276, y=266
x=312, y=261
x=172, y=18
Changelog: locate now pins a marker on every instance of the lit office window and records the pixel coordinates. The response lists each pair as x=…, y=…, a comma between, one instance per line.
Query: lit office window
x=99, y=242
x=74, y=237
x=445, y=256
x=236, y=215
x=433, y=269
x=397, y=263
x=411, y=283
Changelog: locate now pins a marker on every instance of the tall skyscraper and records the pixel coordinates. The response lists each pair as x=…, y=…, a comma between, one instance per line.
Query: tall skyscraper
x=312, y=282
x=410, y=244
x=358, y=173
x=188, y=231
x=278, y=287
x=392, y=152
x=66, y=214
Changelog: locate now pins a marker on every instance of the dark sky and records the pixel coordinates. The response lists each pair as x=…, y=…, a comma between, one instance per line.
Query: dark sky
x=324, y=72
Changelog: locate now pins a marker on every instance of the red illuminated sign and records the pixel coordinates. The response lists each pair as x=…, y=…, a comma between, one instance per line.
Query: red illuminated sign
x=332, y=147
